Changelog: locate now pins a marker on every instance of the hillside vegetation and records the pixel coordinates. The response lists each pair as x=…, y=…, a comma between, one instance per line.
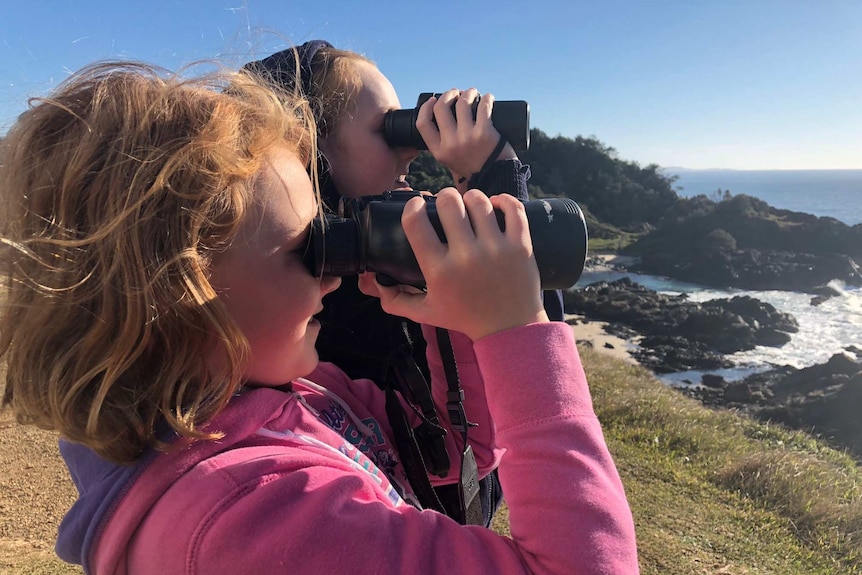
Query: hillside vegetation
x=714, y=492
x=711, y=492
x=616, y=192
x=637, y=210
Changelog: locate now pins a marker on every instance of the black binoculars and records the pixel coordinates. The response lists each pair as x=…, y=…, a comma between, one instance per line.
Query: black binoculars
x=367, y=235
x=510, y=117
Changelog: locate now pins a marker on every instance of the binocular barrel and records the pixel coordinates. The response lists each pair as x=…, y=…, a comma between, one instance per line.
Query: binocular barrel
x=372, y=239
x=510, y=117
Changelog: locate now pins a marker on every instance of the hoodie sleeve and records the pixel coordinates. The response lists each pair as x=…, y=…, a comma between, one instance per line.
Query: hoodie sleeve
x=567, y=508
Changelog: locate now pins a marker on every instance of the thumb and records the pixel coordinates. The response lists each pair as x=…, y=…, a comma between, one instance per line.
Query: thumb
x=402, y=301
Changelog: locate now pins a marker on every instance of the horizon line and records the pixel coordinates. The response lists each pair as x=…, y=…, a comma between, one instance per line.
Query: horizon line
x=685, y=169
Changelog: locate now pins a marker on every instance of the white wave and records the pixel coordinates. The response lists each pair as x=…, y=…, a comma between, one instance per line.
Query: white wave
x=824, y=330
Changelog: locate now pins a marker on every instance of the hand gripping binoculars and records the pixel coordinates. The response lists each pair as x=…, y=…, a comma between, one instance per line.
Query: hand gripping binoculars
x=366, y=235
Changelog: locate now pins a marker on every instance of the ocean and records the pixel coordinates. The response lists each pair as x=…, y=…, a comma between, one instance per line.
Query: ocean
x=833, y=193
x=824, y=330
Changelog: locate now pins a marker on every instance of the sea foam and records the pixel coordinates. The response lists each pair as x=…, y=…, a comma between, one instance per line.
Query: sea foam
x=824, y=329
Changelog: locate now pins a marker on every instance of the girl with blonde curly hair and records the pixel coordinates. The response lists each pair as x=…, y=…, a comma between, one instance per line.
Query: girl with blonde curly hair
x=159, y=315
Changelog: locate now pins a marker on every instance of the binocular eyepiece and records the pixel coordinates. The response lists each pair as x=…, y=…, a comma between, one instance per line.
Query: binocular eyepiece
x=510, y=117
x=367, y=236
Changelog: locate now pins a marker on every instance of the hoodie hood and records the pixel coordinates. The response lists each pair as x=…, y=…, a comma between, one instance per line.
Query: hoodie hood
x=331, y=423
x=100, y=485
x=103, y=486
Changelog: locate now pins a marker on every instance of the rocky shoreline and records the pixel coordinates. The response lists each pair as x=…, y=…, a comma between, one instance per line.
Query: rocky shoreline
x=668, y=334
x=679, y=335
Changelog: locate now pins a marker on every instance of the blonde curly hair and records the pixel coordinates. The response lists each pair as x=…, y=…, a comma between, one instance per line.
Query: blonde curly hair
x=117, y=190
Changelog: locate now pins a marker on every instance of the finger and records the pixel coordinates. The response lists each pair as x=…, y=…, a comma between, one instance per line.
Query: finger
x=368, y=285
x=453, y=218
x=481, y=214
x=395, y=301
x=443, y=110
x=426, y=126
x=514, y=217
x=464, y=107
x=421, y=236
x=484, y=110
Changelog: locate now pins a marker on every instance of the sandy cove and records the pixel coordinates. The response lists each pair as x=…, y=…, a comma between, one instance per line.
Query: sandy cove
x=594, y=333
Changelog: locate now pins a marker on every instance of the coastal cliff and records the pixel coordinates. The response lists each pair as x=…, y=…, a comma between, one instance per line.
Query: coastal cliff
x=720, y=240
x=742, y=242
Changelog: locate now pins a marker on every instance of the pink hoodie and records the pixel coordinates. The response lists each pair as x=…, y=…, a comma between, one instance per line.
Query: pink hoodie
x=307, y=480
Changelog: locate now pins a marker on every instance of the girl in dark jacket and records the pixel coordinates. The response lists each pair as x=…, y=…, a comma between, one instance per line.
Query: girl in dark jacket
x=350, y=98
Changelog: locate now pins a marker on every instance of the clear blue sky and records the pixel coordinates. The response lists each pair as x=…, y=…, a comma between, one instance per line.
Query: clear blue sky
x=750, y=84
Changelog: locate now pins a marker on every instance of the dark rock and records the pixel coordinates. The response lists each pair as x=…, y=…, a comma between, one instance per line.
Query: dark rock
x=770, y=377
x=832, y=414
x=593, y=262
x=740, y=392
x=745, y=243
x=713, y=380
x=739, y=242
x=823, y=293
x=667, y=354
x=754, y=310
x=834, y=372
x=753, y=269
x=679, y=334
x=710, y=396
x=825, y=398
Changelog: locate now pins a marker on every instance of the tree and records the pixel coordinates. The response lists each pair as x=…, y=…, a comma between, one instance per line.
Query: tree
x=588, y=171
x=720, y=195
x=426, y=173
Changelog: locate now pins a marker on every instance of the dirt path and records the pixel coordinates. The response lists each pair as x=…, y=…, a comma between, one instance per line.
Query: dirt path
x=35, y=492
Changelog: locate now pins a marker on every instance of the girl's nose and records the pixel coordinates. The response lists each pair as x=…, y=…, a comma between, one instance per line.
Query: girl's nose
x=329, y=284
x=407, y=154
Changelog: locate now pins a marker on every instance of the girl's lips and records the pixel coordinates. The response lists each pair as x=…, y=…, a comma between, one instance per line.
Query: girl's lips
x=314, y=317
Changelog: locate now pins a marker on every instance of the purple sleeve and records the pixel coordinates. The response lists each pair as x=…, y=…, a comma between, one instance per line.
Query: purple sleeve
x=506, y=177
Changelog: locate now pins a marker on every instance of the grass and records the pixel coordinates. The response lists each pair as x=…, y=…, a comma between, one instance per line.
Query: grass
x=714, y=492
x=611, y=245
x=711, y=492
x=606, y=238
